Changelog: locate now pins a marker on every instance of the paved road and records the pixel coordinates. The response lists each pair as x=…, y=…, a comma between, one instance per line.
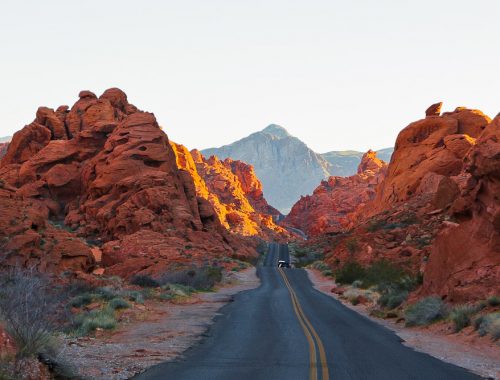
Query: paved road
x=285, y=329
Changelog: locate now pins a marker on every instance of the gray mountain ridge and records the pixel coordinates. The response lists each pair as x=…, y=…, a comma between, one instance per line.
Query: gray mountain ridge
x=287, y=167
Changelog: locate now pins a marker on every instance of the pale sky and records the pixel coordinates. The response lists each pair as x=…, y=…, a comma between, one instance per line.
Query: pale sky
x=337, y=74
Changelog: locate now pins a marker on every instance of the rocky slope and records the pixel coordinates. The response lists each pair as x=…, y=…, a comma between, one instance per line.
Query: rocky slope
x=284, y=164
x=234, y=191
x=100, y=178
x=3, y=148
x=334, y=204
x=436, y=210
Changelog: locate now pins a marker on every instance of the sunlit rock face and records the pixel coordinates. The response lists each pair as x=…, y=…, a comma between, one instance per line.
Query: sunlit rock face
x=103, y=173
x=465, y=259
x=334, y=204
x=234, y=191
x=284, y=164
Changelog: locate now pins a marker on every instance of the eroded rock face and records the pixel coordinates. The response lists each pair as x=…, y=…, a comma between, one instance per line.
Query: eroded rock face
x=437, y=145
x=334, y=205
x=233, y=190
x=106, y=173
x=465, y=260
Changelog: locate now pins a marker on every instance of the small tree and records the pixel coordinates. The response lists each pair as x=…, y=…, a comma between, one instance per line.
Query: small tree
x=29, y=310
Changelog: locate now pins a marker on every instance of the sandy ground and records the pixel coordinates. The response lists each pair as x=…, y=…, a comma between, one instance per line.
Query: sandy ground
x=465, y=349
x=152, y=333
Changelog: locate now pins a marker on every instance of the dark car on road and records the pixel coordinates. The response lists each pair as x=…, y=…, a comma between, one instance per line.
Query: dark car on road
x=283, y=264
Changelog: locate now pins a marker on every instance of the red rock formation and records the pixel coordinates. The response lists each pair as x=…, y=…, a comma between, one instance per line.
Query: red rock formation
x=435, y=145
x=233, y=190
x=465, y=260
x=437, y=210
x=334, y=204
x=107, y=170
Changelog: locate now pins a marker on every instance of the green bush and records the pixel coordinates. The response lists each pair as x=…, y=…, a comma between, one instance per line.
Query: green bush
x=350, y=272
x=88, y=322
x=425, y=311
x=81, y=300
x=107, y=293
x=461, y=316
x=202, y=278
x=489, y=324
x=135, y=296
x=493, y=301
x=118, y=303
x=383, y=273
x=144, y=281
x=393, y=298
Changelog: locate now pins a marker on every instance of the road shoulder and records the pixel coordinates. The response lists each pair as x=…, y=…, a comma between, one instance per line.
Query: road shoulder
x=478, y=355
x=160, y=332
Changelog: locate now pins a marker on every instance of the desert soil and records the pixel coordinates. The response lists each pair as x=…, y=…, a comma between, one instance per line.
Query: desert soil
x=465, y=349
x=152, y=333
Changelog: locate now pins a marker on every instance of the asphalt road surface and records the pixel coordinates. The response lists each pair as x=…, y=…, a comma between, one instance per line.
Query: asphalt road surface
x=285, y=329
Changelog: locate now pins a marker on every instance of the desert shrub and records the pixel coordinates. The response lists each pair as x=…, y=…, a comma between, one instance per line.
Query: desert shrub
x=107, y=293
x=30, y=309
x=393, y=298
x=350, y=272
x=144, y=281
x=425, y=311
x=383, y=273
x=493, y=301
x=320, y=265
x=352, y=296
x=304, y=255
x=461, y=316
x=327, y=272
x=80, y=300
x=135, y=296
x=178, y=290
x=85, y=323
x=118, y=303
x=489, y=324
x=203, y=278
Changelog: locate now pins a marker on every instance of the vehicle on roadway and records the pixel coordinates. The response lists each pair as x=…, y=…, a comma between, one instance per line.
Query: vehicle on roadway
x=283, y=264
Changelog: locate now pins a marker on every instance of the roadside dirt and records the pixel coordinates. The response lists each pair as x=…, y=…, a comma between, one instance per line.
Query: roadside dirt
x=465, y=349
x=152, y=333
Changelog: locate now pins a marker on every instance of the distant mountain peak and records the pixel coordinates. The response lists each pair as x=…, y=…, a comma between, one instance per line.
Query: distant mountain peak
x=276, y=130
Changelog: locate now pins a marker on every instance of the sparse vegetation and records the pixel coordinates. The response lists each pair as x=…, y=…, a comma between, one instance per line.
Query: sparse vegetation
x=88, y=322
x=393, y=298
x=199, y=278
x=144, y=281
x=461, y=316
x=118, y=303
x=493, y=301
x=425, y=311
x=350, y=272
x=29, y=308
x=304, y=255
x=352, y=245
x=322, y=267
x=488, y=324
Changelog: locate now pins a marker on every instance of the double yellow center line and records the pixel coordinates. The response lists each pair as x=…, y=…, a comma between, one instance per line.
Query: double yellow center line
x=311, y=335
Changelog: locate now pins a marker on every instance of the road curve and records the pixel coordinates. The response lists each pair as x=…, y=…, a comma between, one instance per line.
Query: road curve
x=285, y=329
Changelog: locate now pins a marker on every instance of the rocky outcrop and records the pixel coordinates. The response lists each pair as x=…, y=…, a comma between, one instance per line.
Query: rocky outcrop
x=106, y=173
x=434, y=146
x=345, y=163
x=233, y=190
x=334, y=204
x=465, y=260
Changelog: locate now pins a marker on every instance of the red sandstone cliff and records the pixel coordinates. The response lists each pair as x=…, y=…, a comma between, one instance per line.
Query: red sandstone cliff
x=103, y=173
x=334, y=205
x=234, y=191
